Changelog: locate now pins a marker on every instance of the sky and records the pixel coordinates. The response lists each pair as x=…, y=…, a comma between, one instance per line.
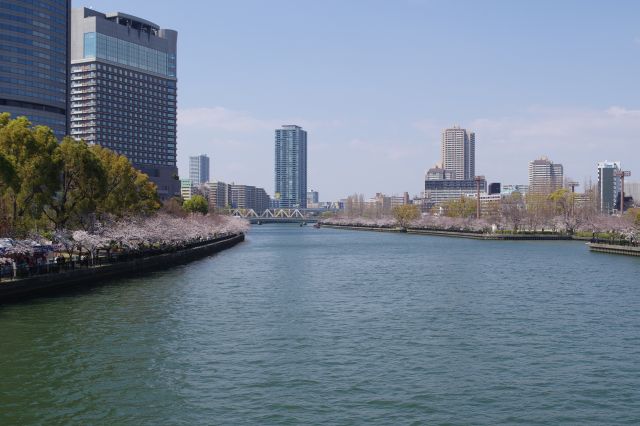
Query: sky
x=375, y=82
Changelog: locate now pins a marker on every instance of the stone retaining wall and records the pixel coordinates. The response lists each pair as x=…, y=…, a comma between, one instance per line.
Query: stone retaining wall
x=28, y=287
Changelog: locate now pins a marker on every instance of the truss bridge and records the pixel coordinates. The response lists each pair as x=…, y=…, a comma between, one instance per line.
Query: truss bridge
x=275, y=216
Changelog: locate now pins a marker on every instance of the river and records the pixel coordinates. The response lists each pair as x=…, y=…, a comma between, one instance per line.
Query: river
x=305, y=326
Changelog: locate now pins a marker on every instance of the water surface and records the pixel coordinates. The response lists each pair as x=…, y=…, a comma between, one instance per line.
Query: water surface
x=306, y=326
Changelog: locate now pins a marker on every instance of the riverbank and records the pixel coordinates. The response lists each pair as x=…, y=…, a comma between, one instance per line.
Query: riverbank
x=457, y=234
x=77, y=278
x=614, y=249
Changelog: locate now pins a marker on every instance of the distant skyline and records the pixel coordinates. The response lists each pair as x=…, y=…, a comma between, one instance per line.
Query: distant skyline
x=375, y=82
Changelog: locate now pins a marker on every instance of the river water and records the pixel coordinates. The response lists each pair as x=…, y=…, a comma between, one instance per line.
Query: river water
x=306, y=326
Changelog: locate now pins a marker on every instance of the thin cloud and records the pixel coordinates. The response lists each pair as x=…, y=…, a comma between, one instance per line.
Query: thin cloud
x=394, y=151
x=219, y=118
x=577, y=138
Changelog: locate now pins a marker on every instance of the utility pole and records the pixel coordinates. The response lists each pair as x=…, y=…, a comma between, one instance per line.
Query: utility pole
x=478, y=180
x=573, y=186
x=622, y=174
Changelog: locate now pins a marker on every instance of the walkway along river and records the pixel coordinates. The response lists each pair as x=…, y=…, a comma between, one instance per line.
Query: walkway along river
x=305, y=326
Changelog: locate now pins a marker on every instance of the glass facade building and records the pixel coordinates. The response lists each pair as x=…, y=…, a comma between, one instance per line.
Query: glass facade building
x=34, y=56
x=291, y=167
x=199, y=169
x=123, y=91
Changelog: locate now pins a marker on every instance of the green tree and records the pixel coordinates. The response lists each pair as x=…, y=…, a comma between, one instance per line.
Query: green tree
x=7, y=173
x=196, y=204
x=34, y=177
x=564, y=202
x=82, y=184
x=126, y=190
x=463, y=207
x=405, y=214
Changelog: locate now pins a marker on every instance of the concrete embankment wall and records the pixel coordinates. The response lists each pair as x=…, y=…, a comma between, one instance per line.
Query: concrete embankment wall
x=614, y=249
x=455, y=234
x=77, y=278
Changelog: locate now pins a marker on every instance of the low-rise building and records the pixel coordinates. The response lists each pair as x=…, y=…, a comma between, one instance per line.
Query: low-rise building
x=510, y=189
x=186, y=189
x=443, y=190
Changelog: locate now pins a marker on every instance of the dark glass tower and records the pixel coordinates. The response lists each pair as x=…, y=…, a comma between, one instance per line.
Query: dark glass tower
x=123, y=91
x=34, y=56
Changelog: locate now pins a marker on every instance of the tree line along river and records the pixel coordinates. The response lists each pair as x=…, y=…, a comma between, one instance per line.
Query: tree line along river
x=304, y=326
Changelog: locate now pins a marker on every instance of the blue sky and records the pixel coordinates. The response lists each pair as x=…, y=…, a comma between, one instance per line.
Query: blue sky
x=374, y=82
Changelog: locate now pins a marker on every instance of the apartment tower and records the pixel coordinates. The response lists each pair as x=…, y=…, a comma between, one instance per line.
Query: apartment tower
x=545, y=176
x=458, y=149
x=291, y=167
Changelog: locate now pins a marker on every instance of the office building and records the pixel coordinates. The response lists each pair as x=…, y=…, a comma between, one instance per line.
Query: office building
x=438, y=173
x=123, y=90
x=219, y=196
x=291, y=167
x=313, y=199
x=34, y=57
x=609, y=186
x=632, y=189
x=545, y=176
x=510, y=189
x=199, y=169
x=458, y=150
x=249, y=197
x=441, y=191
x=494, y=188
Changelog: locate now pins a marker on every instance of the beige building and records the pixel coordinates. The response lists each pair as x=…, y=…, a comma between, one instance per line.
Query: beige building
x=458, y=150
x=545, y=176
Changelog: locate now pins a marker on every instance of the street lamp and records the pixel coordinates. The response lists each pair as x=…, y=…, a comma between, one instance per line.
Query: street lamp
x=622, y=174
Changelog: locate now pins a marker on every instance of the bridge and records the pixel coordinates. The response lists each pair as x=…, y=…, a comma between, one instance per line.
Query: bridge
x=276, y=216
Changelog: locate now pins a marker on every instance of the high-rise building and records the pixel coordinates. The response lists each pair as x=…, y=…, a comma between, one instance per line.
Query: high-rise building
x=123, y=90
x=291, y=167
x=545, y=176
x=199, y=169
x=609, y=185
x=458, y=149
x=34, y=58
x=313, y=198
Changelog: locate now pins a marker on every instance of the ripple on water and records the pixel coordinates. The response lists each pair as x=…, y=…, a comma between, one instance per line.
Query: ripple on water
x=298, y=325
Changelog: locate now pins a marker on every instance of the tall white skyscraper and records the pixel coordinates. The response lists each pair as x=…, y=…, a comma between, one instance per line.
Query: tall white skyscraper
x=199, y=169
x=458, y=151
x=545, y=176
